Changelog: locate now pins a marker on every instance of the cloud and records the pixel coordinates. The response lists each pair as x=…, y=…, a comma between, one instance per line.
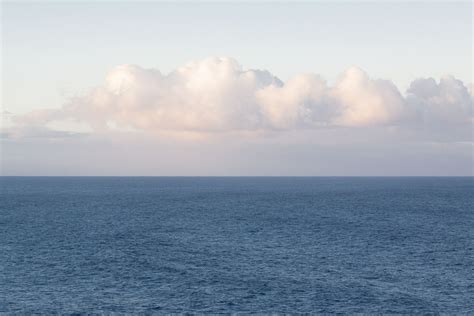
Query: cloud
x=212, y=117
x=440, y=103
x=36, y=132
x=217, y=95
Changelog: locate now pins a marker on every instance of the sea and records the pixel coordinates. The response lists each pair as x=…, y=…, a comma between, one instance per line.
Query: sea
x=236, y=245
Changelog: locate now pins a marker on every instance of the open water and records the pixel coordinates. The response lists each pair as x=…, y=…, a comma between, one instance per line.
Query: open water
x=228, y=245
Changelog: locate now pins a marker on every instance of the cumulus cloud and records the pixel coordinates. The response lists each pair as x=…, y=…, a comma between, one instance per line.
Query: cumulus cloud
x=218, y=95
x=447, y=101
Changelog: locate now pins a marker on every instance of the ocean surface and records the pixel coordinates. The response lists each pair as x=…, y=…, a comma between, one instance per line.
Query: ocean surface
x=225, y=245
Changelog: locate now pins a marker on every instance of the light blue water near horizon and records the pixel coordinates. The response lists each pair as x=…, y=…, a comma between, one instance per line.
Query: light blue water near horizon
x=225, y=245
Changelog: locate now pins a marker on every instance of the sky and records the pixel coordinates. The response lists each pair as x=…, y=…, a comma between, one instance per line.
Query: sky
x=228, y=88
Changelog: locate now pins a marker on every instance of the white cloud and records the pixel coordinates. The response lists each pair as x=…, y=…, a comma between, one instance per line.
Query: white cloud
x=448, y=101
x=217, y=95
x=366, y=102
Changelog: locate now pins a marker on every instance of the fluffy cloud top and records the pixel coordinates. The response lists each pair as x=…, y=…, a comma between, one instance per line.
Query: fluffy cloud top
x=216, y=94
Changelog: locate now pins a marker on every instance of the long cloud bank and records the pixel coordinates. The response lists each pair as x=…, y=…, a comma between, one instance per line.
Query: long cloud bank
x=217, y=95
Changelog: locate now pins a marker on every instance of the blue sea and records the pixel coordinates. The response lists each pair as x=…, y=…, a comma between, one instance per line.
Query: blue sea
x=236, y=245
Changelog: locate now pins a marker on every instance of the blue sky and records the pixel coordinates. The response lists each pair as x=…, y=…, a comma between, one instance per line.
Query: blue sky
x=52, y=51
x=228, y=88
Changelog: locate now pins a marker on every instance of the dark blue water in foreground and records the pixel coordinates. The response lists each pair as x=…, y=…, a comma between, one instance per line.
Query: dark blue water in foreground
x=392, y=245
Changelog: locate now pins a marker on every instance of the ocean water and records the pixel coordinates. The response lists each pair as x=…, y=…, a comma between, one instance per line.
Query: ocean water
x=225, y=245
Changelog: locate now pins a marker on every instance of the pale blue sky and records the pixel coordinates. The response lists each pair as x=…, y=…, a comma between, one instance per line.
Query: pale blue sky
x=52, y=51
x=213, y=119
